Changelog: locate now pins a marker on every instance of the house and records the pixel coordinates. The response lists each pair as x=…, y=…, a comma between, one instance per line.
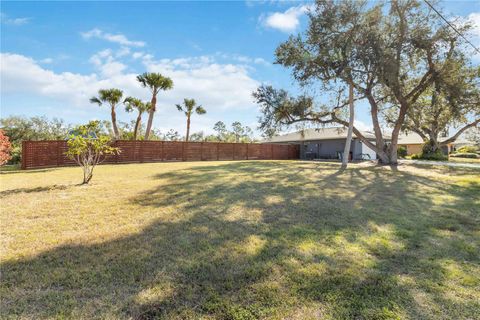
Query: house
x=414, y=143
x=410, y=141
x=327, y=143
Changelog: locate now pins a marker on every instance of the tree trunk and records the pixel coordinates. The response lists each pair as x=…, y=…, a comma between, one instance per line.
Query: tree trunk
x=87, y=174
x=188, y=128
x=346, y=151
x=114, y=123
x=137, y=124
x=150, y=116
x=393, y=157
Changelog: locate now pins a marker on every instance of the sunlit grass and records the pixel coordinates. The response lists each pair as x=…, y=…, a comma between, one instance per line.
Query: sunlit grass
x=464, y=160
x=241, y=240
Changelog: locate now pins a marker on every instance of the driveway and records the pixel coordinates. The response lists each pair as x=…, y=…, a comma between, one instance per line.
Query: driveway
x=442, y=163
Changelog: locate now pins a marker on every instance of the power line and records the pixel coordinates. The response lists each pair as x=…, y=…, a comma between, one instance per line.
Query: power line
x=461, y=35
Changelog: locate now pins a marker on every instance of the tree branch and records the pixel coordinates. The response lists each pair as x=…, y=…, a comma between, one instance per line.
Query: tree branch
x=459, y=132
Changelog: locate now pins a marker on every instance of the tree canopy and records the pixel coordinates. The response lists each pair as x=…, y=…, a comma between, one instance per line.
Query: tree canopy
x=112, y=97
x=391, y=52
x=154, y=82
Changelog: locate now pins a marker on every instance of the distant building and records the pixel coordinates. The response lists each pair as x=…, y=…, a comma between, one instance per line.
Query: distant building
x=414, y=143
x=327, y=143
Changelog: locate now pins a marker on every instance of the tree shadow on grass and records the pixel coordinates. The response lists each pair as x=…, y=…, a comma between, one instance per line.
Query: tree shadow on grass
x=17, y=170
x=32, y=190
x=259, y=239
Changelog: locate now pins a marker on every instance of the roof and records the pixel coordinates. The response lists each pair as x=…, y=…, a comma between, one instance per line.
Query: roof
x=414, y=138
x=318, y=134
x=409, y=138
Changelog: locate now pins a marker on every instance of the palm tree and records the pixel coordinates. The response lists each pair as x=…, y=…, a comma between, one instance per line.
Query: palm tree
x=134, y=103
x=155, y=82
x=113, y=98
x=189, y=106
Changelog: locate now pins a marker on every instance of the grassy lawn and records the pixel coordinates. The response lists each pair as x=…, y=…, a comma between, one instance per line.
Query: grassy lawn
x=464, y=160
x=241, y=240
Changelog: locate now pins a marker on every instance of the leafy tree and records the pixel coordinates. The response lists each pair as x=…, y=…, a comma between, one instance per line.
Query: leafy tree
x=238, y=130
x=473, y=134
x=221, y=129
x=5, y=148
x=197, y=136
x=172, y=135
x=35, y=128
x=112, y=97
x=155, y=82
x=189, y=106
x=452, y=101
x=379, y=49
x=132, y=103
x=88, y=148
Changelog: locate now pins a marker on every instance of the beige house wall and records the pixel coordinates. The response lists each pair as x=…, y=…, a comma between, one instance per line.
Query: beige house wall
x=417, y=148
x=413, y=148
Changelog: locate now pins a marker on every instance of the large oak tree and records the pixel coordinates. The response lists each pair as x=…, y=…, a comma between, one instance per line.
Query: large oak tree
x=389, y=51
x=451, y=102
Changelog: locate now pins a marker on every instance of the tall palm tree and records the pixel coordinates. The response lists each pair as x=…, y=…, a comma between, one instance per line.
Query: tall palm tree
x=112, y=97
x=190, y=106
x=155, y=82
x=132, y=103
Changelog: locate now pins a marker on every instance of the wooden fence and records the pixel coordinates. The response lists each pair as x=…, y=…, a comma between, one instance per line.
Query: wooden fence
x=51, y=153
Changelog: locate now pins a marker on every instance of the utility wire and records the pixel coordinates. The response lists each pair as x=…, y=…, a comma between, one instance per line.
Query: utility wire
x=461, y=35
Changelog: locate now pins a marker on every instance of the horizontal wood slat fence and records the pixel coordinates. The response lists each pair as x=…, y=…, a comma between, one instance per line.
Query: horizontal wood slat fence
x=51, y=153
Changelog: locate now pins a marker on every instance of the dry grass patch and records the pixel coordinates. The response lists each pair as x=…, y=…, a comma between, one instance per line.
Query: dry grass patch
x=241, y=240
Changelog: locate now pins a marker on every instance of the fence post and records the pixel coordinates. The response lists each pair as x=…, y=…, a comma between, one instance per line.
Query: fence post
x=218, y=156
x=58, y=151
x=162, y=155
x=247, y=150
x=183, y=150
x=233, y=158
x=24, y=157
x=272, y=150
x=201, y=151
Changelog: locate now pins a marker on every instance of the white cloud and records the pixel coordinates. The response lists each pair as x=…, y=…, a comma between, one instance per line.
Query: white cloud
x=287, y=21
x=124, y=51
x=138, y=55
x=261, y=61
x=46, y=60
x=362, y=126
x=13, y=21
x=106, y=63
x=20, y=74
x=474, y=19
x=221, y=88
x=115, y=38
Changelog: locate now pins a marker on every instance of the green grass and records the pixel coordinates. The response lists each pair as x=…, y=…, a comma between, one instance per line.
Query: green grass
x=241, y=240
x=464, y=160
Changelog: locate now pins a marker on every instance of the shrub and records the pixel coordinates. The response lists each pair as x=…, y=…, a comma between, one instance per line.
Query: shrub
x=467, y=149
x=88, y=149
x=402, y=152
x=5, y=148
x=464, y=155
x=16, y=155
x=437, y=156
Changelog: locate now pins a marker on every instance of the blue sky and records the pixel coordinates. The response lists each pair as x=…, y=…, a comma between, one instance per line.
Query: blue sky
x=55, y=55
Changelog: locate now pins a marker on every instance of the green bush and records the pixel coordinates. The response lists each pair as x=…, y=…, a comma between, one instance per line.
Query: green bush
x=467, y=149
x=402, y=152
x=437, y=156
x=464, y=155
x=16, y=155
